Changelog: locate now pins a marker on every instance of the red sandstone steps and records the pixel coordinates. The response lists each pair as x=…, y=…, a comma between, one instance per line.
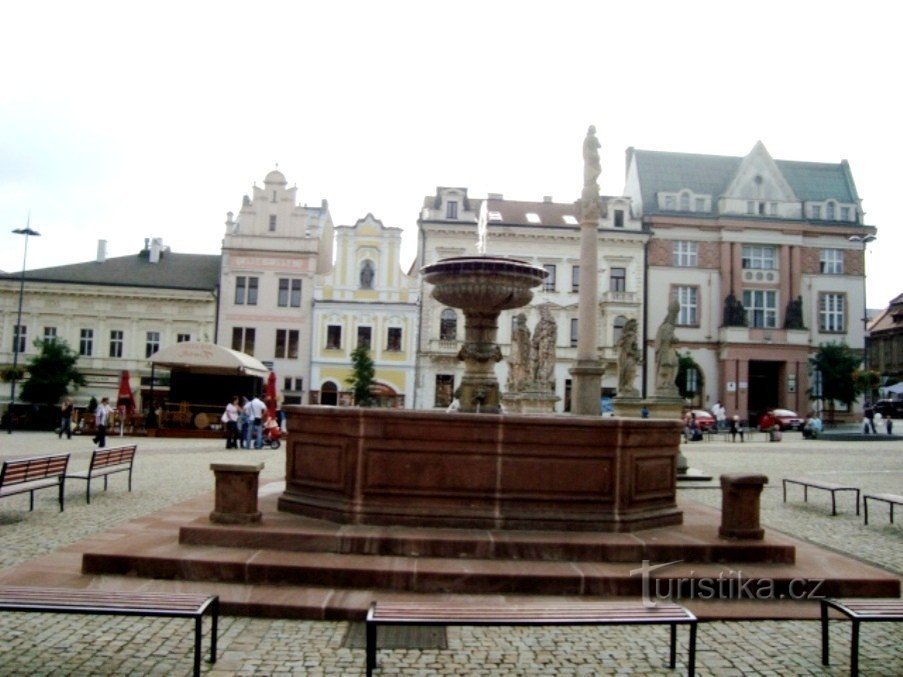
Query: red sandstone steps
x=471, y=576
x=300, y=534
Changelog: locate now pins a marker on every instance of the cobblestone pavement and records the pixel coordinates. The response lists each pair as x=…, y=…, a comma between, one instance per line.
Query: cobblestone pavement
x=168, y=471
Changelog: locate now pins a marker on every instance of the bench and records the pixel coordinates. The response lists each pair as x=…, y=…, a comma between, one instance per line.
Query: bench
x=105, y=462
x=98, y=602
x=858, y=611
x=890, y=499
x=31, y=474
x=581, y=613
x=826, y=486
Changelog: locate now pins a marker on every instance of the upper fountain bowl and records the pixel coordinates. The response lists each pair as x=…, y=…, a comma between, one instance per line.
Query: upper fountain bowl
x=483, y=283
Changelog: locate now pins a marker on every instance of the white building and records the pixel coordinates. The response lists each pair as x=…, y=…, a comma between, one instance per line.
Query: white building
x=546, y=234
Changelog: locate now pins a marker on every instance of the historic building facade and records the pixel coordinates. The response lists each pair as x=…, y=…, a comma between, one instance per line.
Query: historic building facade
x=885, y=343
x=547, y=234
x=366, y=298
x=757, y=252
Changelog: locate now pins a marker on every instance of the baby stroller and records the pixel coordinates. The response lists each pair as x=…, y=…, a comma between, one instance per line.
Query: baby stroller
x=271, y=436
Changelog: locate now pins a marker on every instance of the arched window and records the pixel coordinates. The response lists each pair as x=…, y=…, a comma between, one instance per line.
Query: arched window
x=329, y=394
x=829, y=211
x=618, y=328
x=684, y=202
x=367, y=274
x=448, y=325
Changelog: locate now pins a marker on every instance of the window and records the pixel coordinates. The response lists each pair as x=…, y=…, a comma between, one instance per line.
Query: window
x=832, y=261
x=619, y=218
x=445, y=390
x=287, y=343
x=183, y=338
x=567, y=218
x=549, y=283
x=533, y=218
x=152, y=344
x=689, y=306
x=684, y=202
x=50, y=333
x=669, y=202
x=831, y=312
x=272, y=222
x=86, y=342
x=829, y=211
x=700, y=204
x=575, y=279
x=367, y=274
x=451, y=209
x=289, y=293
x=243, y=339
x=686, y=254
x=333, y=337
x=363, y=337
x=246, y=290
x=448, y=325
x=844, y=213
x=757, y=257
x=761, y=308
x=617, y=328
x=574, y=334
x=773, y=208
x=750, y=207
x=618, y=279
x=393, y=339
x=20, y=337
x=815, y=211
x=116, y=340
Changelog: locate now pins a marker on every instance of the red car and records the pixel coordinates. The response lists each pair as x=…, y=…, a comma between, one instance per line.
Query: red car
x=704, y=419
x=785, y=419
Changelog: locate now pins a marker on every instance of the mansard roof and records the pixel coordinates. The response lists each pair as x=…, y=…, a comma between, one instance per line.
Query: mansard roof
x=198, y=272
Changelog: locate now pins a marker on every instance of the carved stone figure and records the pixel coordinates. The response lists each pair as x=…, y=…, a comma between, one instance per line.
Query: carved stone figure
x=793, y=315
x=667, y=361
x=592, y=167
x=545, y=335
x=367, y=275
x=734, y=312
x=628, y=359
x=519, y=357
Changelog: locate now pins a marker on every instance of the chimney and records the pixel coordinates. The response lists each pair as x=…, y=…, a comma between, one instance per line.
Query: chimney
x=495, y=196
x=155, y=248
x=547, y=199
x=101, y=251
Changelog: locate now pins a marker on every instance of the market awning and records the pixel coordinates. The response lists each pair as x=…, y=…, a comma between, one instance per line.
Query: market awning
x=208, y=358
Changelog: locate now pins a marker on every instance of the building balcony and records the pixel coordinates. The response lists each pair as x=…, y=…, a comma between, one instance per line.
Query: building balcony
x=444, y=346
x=620, y=297
x=760, y=335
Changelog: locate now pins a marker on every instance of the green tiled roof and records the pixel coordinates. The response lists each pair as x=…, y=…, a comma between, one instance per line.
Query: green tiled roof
x=173, y=271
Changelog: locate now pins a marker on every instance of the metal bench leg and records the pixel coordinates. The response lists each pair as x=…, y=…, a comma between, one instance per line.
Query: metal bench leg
x=833, y=502
x=805, y=494
x=88, y=488
x=785, y=490
x=891, y=513
x=62, y=494
x=854, y=650
x=824, y=633
x=673, y=657
x=857, y=502
x=691, y=660
x=865, y=508
x=197, y=644
x=30, y=501
x=371, y=647
x=214, y=612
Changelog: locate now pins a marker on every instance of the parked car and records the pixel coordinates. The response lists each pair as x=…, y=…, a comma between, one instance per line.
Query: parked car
x=893, y=408
x=704, y=419
x=784, y=419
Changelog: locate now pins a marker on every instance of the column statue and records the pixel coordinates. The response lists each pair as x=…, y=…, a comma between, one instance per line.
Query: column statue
x=545, y=336
x=628, y=359
x=519, y=356
x=666, y=358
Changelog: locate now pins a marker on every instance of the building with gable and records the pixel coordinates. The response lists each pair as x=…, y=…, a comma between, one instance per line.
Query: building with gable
x=546, y=234
x=885, y=343
x=365, y=299
x=757, y=252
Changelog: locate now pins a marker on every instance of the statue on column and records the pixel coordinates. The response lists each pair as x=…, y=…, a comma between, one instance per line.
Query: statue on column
x=545, y=336
x=667, y=361
x=793, y=315
x=519, y=356
x=628, y=359
x=592, y=167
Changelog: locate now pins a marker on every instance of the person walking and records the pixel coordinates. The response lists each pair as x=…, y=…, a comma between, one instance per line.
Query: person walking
x=101, y=421
x=889, y=424
x=257, y=410
x=66, y=410
x=720, y=414
x=736, y=428
x=245, y=418
x=230, y=418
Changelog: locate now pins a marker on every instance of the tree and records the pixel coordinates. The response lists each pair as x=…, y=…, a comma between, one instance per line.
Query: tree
x=835, y=365
x=362, y=375
x=51, y=373
x=689, y=379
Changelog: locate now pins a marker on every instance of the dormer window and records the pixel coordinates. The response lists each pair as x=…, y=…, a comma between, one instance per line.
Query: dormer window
x=829, y=211
x=451, y=209
x=272, y=223
x=700, y=205
x=684, y=202
x=533, y=218
x=815, y=211
x=845, y=214
x=619, y=218
x=569, y=220
x=669, y=202
x=495, y=216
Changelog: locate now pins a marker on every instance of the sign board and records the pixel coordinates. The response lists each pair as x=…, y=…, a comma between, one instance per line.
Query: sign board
x=731, y=386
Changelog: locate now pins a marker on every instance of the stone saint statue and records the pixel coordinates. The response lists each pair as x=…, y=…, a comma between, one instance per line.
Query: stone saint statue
x=793, y=316
x=545, y=335
x=592, y=168
x=519, y=357
x=628, y=359
x=666, y=359
x=367, y=275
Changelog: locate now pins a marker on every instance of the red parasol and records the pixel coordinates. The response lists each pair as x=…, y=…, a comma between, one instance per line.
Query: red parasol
x=270, y=394
x=124, y=399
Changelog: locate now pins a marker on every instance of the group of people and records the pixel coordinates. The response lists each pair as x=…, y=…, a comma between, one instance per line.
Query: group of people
x=812, y=426
x=693, y=431
x=249, y=420
x=873, y=420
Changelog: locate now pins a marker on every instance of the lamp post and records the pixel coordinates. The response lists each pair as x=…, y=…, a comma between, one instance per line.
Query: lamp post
x=17, y=332
x=864, y=241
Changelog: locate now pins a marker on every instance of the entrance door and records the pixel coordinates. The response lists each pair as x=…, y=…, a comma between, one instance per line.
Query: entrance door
x=764, y=387
x=329, y=394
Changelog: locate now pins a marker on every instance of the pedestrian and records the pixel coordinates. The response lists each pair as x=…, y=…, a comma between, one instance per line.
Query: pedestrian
x=644, y=412
x=736, y=428
x=889, y=424
x=230, y=419
x=868, y=425
x=101, y=421
x=720, y=414
x=244, y=419
x=256, y=410
x=66, y=410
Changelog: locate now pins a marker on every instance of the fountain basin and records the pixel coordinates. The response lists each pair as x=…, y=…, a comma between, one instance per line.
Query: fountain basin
x=420, y=468
x=483, y=283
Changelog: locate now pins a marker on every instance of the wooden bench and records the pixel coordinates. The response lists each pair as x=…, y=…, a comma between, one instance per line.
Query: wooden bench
x=890, y=499
x=580, y=613
x=858, y=611
x=31, y=474
x=826, y=486
x=105, y=462
x=97, y=602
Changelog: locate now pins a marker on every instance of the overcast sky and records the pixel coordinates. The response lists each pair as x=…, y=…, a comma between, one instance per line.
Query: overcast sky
x=126, y=120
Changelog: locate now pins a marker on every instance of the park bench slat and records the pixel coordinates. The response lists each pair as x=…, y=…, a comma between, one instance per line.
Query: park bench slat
x=105, y=462
x=21, y=475
x=832, y=487
x=858, y=610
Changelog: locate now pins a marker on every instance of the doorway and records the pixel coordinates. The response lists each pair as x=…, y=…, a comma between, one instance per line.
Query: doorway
x=764, y=387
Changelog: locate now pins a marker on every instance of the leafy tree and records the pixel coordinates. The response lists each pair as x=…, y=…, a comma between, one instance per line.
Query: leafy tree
x=51, y=373
x=837, y=364
x=362, y=373
x=688, y=384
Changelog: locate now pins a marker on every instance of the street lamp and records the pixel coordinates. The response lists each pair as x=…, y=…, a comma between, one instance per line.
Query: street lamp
x=17, y=332
x=864, y=240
